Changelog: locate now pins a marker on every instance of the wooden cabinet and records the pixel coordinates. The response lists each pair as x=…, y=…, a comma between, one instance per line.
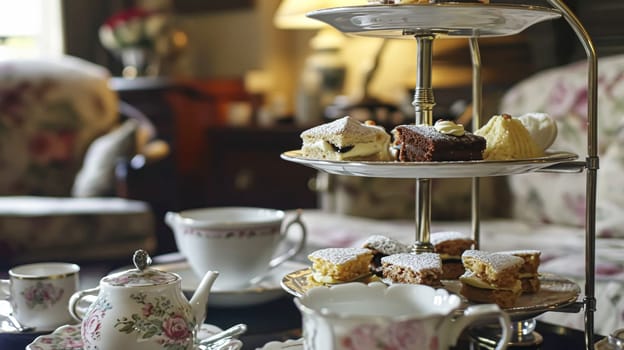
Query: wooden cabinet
x=216, y=164
x=243, y=167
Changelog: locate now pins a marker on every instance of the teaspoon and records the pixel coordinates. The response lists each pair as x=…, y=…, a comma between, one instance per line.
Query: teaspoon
x=230, y=332
x=17, y=325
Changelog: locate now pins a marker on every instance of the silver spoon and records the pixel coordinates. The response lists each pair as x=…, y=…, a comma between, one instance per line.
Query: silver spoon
x=17, y=325
x=233, y=331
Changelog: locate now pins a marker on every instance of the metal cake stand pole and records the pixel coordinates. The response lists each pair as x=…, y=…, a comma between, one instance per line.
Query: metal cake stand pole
x=423, y=108
x=592, y=164
x=477, y=99
x=523, y=330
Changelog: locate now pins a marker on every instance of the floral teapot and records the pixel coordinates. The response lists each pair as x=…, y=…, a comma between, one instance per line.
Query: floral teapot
x=141, y=309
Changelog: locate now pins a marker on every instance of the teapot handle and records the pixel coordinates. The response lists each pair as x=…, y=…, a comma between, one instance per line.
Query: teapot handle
x=77, y=307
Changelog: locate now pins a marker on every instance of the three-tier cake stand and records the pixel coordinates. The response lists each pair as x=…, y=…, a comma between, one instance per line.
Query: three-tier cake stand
x=426, y=23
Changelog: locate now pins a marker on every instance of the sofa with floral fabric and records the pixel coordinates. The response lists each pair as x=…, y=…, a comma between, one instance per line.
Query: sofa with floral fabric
x=61, y=135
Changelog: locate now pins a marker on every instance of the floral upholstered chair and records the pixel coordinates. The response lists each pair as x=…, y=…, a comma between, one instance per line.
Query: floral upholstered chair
x=562, y=93
x=60, y=136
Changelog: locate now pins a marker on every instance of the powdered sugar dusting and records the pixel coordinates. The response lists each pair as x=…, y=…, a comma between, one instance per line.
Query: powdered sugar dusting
x=498, y=261
x=439, y=237
x=338, y=255
x=385, y=245
x=415, y=262
x=345, y=125
x=522, y=252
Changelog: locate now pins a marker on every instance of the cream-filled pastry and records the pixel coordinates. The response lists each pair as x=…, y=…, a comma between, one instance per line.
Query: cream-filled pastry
x=346, y=139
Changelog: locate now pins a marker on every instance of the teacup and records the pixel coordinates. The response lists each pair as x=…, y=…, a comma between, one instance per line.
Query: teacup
x=242, y=243
x=39, y=293
x=400, y=316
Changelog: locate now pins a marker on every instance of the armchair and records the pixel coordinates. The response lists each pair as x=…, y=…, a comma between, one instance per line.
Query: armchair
x=61, y=137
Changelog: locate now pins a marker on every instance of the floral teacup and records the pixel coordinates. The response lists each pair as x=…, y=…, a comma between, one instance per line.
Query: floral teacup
x=400, y=317
x=39, y=293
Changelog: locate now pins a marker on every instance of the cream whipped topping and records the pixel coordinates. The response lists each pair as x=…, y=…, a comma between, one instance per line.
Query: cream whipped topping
x=470, y=279
x=449, y=128
x=357, y=150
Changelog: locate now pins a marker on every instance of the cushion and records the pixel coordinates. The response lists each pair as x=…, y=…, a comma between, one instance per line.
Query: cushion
x=50, y=111
x=562, y=93
x=45, y=228
x=97, y=175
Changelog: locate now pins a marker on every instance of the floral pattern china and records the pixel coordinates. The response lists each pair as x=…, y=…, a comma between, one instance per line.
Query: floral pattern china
x=157, y=319
x=68, y=338
x=44, y=294
x=142, y=309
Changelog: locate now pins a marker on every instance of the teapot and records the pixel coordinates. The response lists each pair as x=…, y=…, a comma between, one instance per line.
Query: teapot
x=141, y=308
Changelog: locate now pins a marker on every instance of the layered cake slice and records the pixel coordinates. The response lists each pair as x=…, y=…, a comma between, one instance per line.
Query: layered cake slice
x=451, y=245
x=346, y=139
x=423, y=268
x=444, y=141
x=529, y=276
x=339, y=265
x=491, y=277
x=382, y=246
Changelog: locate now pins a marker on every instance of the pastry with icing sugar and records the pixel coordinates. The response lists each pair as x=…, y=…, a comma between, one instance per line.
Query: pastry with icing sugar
x=529, y=275
x=340, y=265
x=382, y=246
x=491, y=277
x=346, y=139
x=451, y=245
x=412, y=268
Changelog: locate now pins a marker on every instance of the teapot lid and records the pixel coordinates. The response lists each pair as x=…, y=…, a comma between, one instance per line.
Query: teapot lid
x=142, y=275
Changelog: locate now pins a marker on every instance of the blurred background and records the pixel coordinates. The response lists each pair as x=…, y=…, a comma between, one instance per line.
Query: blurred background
x=228, y=86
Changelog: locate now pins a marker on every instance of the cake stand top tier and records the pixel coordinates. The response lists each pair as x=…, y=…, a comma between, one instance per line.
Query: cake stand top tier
x=441, y=19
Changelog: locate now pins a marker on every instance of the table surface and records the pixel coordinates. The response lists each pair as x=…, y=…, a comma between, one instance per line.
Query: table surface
x=280, y=320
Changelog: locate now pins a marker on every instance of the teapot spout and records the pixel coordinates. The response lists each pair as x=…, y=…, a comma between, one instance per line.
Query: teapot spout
x=199, y=301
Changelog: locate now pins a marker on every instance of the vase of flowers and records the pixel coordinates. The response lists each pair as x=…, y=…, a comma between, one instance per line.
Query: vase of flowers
x=133, y=35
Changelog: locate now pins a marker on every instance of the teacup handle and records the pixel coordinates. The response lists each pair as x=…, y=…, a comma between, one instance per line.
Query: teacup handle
x=480, y=313
x=278, y=260
x=5, y=289
x=77, y=307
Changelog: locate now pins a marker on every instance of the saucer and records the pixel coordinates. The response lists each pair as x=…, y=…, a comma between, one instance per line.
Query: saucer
x=6, y=327
x=264, y=291
x=68, y=338
x=291, y=344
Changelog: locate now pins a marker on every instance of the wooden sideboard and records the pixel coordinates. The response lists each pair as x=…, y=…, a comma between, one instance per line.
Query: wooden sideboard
x=216, y=164
x=243, y=167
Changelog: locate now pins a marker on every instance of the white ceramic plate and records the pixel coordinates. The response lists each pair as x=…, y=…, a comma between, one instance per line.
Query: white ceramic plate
x=291, y=344
x=68, y=337
x=413, y=170
x=266, y=290
x=7, y=327
x=450, y=19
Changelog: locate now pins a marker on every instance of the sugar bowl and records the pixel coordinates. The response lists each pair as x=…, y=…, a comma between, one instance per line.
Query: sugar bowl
x=141, y=308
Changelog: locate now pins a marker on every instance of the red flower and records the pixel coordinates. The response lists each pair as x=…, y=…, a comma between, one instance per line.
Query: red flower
x=175, y=328
x=147, y=309
x=91, y=327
